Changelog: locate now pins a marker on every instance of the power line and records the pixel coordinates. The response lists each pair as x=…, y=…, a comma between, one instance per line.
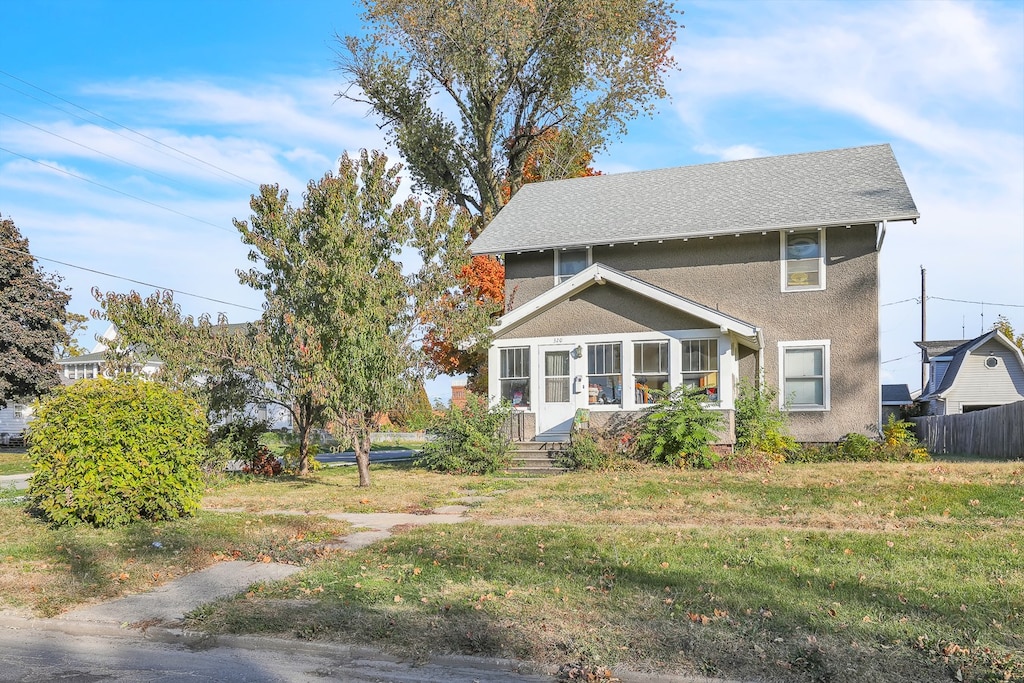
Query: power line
x=248, y=183
x=128, y=279
x=980, y=303
x=91, y=149
x=113, y=189
x=909, y=355
x=903, y=301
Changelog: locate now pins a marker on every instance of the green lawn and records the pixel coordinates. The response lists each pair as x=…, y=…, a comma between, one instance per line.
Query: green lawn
x=838, y=572
x=845, y=572
x=14, y=462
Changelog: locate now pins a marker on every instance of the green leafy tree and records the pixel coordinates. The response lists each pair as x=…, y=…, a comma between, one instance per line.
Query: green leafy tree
x=336, y=338
x=75, y=323
x=32, y=318
x=205, y=360
x=1003, y=325
x=513, y=72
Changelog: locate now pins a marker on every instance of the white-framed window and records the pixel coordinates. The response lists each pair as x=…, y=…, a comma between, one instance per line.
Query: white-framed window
x=804, y=375
x=803, y=261
x=700, y=366
x=19, y=411
x=568, y=262
x=650, y=369
x=514, y=376
x=604, y=373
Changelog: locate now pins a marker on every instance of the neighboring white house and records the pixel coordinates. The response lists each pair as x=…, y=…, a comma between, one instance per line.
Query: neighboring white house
x=979, y=373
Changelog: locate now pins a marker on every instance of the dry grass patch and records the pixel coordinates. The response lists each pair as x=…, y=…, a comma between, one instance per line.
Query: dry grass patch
x=46, y=571
x=396, y=488
x=854, y=496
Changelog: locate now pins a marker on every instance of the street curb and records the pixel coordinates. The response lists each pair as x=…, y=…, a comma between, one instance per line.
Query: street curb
x=342, y=651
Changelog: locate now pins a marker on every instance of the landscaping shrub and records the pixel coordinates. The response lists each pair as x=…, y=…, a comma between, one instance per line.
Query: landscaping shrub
x=469, y=440
x=110, y=452
x=898, y=444
x=678, y=430
x=761, y=425
x=590, y=450
x=238, y=439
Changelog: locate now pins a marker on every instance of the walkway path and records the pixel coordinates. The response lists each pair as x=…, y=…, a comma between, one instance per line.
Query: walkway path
x=142, y=637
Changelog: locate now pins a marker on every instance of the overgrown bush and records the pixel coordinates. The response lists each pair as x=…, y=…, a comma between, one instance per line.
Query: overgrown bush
x=111, y=452
x=290, y=458
x=469, y=440
x=678, y=430
x=761, y=426
x=590, y=450
x=898, y=444
x=237, y=440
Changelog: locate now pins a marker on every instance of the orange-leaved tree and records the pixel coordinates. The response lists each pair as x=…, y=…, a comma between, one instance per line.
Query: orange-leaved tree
x=480, y=283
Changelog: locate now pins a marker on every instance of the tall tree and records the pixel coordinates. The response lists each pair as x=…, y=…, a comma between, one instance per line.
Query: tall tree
x=32, y=317
x=208, y=361
x=512, y=71
x=337, y=329
x=1004, y=325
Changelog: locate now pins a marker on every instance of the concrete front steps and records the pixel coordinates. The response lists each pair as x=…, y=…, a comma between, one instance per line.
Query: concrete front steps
x=537, y=457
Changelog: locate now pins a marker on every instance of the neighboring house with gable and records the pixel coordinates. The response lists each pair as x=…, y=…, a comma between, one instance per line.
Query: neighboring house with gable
x=973, y=374
x=761, y=269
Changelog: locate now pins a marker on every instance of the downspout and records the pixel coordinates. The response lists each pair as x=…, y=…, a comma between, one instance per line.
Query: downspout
x=880, y=227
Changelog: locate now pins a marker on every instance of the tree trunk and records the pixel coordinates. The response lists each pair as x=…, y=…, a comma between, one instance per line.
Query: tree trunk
x=362, y=447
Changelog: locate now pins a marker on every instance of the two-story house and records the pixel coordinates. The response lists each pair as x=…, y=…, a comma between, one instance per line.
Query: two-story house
x=763, y=269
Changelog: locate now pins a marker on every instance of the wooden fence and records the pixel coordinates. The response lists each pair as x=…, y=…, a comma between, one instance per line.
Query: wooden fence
x=994, y=432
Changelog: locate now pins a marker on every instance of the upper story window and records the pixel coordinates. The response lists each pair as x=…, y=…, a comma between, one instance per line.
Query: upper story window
x=650, y=369
x=700, y=366
x=803, y=261
x=568, y=262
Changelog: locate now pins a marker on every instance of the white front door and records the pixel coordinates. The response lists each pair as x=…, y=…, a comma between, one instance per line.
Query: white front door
x=557, y=405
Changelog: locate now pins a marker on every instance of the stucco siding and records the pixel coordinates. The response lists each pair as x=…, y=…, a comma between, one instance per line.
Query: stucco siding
x=977, y=384
x=603, y=309
x=741, y=277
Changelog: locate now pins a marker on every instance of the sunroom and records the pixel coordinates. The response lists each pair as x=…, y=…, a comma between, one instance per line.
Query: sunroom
x=607, y=342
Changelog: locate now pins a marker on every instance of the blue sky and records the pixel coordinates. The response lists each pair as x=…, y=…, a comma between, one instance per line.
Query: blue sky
x=247, y=90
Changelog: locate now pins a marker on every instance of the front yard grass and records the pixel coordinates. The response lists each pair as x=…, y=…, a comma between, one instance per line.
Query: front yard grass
x=839, y=572
x=46, y=571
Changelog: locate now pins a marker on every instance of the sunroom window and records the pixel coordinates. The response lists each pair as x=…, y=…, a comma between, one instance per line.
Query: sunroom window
x=515, y=376
x=650, y=370
x=803, y=261
x=700, y=366
x=604, y=374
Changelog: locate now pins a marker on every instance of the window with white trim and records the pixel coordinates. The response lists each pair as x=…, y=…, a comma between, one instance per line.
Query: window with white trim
x=568, y=262
x=803, y=261
x=604, y=374
x=515, y=376
x=804, y=375
x=19, y=411
x=650, y=369
x=700, y=366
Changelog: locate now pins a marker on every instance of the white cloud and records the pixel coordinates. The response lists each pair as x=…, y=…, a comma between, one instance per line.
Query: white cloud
x=732, y=152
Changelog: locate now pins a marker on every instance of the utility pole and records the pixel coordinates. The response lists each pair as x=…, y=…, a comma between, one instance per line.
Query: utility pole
x=924, y=332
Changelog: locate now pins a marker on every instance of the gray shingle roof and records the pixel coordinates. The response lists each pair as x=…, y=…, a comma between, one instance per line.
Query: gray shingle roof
x=896, y=395
x=843, y=186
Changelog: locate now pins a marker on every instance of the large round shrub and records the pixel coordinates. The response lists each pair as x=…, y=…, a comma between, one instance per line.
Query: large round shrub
x=110, y=452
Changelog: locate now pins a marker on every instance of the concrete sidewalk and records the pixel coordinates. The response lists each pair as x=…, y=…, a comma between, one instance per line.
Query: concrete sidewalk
x=18, y=481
